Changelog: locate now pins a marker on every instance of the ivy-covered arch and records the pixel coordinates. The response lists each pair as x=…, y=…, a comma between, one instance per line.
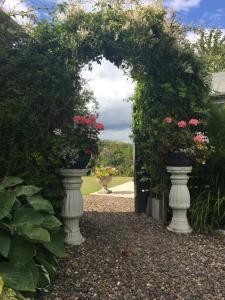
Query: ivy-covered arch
x=170, y=79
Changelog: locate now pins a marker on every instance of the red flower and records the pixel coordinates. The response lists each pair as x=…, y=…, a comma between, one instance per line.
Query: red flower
x=92, y=118
x=194, y=122
x=181, y=124
x=168, y=120
x=199, y=138
x=82, y=120
x=99, y=126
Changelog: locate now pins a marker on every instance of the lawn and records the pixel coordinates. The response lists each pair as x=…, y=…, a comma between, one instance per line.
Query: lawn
x=90, y=184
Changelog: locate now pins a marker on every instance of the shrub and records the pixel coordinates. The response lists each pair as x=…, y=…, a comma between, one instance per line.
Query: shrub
x=31, y=238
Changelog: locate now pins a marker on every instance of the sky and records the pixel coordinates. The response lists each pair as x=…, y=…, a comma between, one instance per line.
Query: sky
x=111, y=87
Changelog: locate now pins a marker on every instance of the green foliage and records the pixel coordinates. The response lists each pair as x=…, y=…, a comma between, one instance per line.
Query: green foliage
x=117, y=155
x=211, y=48
x=208, y=212
x=28, y=228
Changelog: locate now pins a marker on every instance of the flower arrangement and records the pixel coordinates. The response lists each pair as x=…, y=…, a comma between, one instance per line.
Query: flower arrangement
x=73, y=146
x=184, y=137
x=103, y=171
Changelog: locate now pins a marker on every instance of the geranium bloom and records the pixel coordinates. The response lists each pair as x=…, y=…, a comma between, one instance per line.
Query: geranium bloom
x=168, y=120
x=194, y=122
x=82, y=120
x=199, y=138
x=181, y=124
x=92, y=118
x=99, y=126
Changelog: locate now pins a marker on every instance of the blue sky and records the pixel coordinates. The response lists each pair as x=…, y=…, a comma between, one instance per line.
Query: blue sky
x=111, y=87
x=209, y=13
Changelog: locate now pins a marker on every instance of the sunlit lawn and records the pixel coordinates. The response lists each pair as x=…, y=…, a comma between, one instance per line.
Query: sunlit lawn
x=90, y=184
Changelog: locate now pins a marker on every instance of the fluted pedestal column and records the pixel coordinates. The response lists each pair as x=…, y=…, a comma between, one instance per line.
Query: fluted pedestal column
x=179, y=199
x=73, y=205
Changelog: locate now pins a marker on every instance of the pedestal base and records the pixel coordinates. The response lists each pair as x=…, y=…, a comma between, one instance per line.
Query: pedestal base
x=73, y=234
x=180, y=224
x=179, y=199
x=73, y=205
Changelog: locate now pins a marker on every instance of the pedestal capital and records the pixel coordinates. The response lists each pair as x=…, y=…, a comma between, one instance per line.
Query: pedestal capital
x=73, y=172
x=179, y=170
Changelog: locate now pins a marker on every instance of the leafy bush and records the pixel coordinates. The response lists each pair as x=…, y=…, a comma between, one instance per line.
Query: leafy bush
x=31, y=238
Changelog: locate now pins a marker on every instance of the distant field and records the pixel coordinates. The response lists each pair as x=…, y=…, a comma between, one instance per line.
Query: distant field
x=90, y=184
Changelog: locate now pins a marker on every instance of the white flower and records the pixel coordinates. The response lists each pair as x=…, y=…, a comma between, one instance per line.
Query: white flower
x=57, y=131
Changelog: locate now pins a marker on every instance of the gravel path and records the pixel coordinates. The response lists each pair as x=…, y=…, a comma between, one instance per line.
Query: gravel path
x=130, y=256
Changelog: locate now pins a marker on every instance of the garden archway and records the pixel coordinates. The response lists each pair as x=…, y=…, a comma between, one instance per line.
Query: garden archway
x=142, y=40
x=145, y=42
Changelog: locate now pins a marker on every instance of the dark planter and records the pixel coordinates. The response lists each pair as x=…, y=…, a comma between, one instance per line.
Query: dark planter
x=82, y=161
x=178, y=160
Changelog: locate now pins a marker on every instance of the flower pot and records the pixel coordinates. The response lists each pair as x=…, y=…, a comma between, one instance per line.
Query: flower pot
x=179, y=199
x=72, y=205
x=178, y=160
x=82, y=161
x=104, y=181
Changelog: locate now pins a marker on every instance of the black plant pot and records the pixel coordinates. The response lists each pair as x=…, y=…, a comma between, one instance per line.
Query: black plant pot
x=82, y=161
x=178, y=160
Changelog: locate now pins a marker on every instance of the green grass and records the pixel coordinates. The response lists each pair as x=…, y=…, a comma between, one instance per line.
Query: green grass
x=90, y=184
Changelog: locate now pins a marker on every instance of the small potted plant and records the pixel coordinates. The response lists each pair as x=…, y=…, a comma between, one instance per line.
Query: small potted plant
x=104, y=177
x=72, y=148
x=182, y=144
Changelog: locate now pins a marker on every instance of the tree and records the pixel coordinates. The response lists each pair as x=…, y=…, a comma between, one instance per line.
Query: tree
x=211, y=47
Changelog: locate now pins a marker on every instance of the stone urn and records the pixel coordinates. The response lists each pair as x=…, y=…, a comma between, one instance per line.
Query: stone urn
x=104, y=181
x=179, y=199
x=73, y=204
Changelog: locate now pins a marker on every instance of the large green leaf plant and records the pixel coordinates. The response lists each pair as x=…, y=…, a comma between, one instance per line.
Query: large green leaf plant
x=31, y=238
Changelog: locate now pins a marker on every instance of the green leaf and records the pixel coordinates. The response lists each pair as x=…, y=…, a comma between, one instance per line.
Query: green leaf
x=51, y=222
x=44, y=279
x=17, y=276
x=34, y=269
x=49, y=267
x=1, y=285
x=27, y=216
x=21, y=250
x=56, y=244
x=7, y=199
x=40, y=204
x=5, y=242
x=34, y=233
x=28, y=190
x=11, y=181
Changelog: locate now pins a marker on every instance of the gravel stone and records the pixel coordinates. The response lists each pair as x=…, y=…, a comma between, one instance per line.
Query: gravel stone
x=131, y=256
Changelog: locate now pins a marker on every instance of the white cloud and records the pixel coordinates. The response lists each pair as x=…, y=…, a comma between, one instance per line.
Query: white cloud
x=179, y=5
x=14, y=6
x=193, y=37
x=112, y=88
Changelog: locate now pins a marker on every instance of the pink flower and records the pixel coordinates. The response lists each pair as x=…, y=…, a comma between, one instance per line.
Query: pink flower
x=194, y=122
x=181, y=124
x=99, y=126
x=199, y=138
x=168, y=120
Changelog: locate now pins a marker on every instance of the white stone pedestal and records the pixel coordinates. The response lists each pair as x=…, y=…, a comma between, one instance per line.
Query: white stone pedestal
x=179, y=199
x=73, y=205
